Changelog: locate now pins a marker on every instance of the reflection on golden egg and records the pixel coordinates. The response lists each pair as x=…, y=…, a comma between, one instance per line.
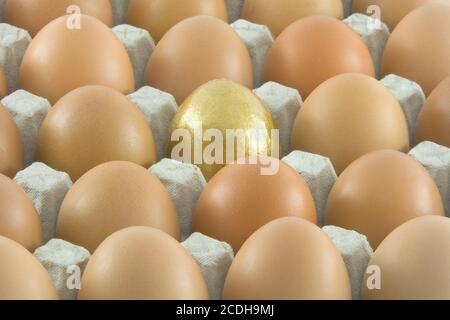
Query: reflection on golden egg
x=218, y=123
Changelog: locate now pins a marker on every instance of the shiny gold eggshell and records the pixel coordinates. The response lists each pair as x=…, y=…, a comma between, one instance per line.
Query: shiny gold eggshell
x=157, y=17
x=92, y=125
x=142, y=263
x=195, y=51
x=3, y=83
x=19, y=220
x=113, y=196
x=33, y=15
x=413, y=261
x=348, y=116
x=278, y=14
x=22, y=277
x=314, y=49
x=60, y=59
x=434, y=120
x=222, y=105
x=380, y=191
x=288, y=259
x=241, y=198
x=11, y=146
x=419, y=47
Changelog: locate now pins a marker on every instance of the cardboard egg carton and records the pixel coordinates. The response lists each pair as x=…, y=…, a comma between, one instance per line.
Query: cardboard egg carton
x=184, y=182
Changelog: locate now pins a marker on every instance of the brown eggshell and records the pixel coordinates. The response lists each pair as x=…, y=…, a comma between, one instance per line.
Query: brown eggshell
x=60, y=59
x=380, y=191
x=113, y=196
x=392, y=12
x=414, y=262
x=33, y=15
x=278, y=14
x=157, y=17
x=288, y=259
x=195, y=51
x=314, y=49
x=22, y=277
x=3, y=83
x=11, y=146
x=434, y=120
x=92, y=125
x=240, y=198
x=427, y=63
x=19, y=220
x=142, y=263
x=348, y=116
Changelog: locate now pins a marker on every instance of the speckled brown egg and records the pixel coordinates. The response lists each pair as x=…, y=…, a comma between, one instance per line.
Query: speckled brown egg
x=314, y=49
x=348, y=116
x=413, y=262
x=33, y=15
x=157, y=17
x=92, y=125
x=427, y=63
x=19, y=220
x=380, y=191
x=278, y=14
x=60, y=59
x=113, y=196
x=195, y=51
x=11, y=146
x=22, y=277
x=434, y=119
x=142, y=263
x=242, y=197
x=288, y=259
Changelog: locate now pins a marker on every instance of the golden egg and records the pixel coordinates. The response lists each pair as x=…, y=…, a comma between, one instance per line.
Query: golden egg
x=11, y=146
x=288, y=259
x=412, y=263
x=3, y=83
x=195, y=51
x=22, y=277
x=218, y=123
x=93, y=125
x=157, y=17
x=380, y=191
x=61, y=59
x=419, y=47
x=33, y=15
x=113, y=196
x=348, y=116
x=19, y=219
x=142, y=263
x=278, y=14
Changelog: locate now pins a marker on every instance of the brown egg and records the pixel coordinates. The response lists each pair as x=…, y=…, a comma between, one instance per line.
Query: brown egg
x=157, y=17
x=380, y=191
x=11, y=146
x=113, y=196
x=22, y=277
x=288, y=259
x=19, y=220
x=92, y=125
x=3, y=83
x=413, y=262
x=434, y=120
x=348, y=116
x=392, y=12
x=241, y=198
x=142, y=263
x=33, y=15
x=60, y=59
x=278, y=14
x=314, y=49
x=427, y=63
x=195, y=51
